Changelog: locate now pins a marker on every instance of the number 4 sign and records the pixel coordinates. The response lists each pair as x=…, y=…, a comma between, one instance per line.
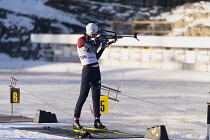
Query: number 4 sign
x=104, y=104
x=14, y=95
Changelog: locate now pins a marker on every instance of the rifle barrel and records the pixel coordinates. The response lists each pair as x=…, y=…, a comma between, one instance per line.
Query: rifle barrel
x=134, y=36
x=119, y=36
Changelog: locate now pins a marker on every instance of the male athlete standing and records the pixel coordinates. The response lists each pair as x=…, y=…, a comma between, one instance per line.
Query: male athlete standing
x=91, y=77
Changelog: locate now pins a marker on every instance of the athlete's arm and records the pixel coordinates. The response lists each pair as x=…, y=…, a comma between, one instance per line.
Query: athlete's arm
x=104, y=44
x=98, y=55
x=88, y=44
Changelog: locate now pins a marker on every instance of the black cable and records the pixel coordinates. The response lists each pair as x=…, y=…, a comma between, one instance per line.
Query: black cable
x=119, y=94
x=43, y=100
x=88, y=122
x=161, y=105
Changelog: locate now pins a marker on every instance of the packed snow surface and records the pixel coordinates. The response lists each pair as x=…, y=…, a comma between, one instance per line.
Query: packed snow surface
x=150, y=97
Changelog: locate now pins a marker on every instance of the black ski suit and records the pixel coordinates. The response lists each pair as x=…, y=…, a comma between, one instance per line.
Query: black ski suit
x=91, y=76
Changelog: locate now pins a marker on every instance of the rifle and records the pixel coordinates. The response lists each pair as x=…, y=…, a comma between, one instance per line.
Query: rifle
x=103, y=34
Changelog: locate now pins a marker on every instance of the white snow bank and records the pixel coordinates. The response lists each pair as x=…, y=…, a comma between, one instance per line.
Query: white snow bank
x=37, y=7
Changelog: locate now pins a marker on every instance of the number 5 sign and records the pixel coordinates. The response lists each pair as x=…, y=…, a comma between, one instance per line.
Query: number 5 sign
x=14, y=95
x=104, y=104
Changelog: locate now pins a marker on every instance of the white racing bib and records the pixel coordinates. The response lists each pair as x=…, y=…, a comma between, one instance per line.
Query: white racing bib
x=86, y=55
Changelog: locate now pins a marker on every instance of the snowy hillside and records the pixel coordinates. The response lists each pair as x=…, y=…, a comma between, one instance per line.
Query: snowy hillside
x=21, y=18
x=195, y=16
x=70, y=15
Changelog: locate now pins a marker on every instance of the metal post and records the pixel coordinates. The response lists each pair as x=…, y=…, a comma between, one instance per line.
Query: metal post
x=11, y=109
x=12, y=85
x=153, y=28
x=208, y=120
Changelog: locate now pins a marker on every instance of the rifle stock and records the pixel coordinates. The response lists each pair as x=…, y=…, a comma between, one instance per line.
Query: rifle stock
x=103, y=34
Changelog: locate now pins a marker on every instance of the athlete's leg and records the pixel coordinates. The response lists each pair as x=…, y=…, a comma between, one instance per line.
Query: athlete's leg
x=84, y=90
x=96, y=92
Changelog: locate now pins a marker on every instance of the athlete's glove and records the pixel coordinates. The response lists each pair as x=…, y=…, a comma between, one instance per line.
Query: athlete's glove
x=104, y=42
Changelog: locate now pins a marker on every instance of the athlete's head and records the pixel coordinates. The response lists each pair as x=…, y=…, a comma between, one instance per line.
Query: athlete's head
x=91, y=29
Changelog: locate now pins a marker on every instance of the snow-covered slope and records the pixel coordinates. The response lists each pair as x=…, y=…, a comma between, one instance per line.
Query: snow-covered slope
x=190, y=16
x=22, y=13
x=20, y=18
x=37, y=8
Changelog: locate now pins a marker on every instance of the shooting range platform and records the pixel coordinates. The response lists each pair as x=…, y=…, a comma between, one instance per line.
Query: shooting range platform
x=10, y=119
x=88, y=133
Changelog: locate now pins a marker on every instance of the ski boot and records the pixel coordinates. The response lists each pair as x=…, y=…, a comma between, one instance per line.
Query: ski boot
x=76, y=125
x=99, y=125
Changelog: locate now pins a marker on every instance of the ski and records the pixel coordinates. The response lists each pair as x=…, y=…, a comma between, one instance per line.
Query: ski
x=80, y=134
x=115, y=132
x=106, y=130
x=83, y=132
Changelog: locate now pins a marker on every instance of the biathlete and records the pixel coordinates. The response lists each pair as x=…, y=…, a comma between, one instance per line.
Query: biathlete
x=91, y=77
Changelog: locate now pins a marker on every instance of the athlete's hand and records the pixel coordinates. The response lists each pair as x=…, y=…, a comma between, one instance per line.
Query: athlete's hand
x=103, y=40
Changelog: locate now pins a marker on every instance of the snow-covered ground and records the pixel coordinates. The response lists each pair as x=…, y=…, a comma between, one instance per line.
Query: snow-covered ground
x=150, y=97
